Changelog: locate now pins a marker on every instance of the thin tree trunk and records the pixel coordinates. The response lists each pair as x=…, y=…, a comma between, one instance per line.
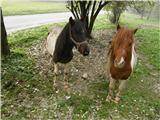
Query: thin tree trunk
x=93, y=18
x=4, y=43
x=149, y=13
x=89, y=30
x=80, y=9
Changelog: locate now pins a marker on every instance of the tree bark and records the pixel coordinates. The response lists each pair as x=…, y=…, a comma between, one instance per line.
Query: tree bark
x=4, y=43
x=116, y=11
x=94, y=16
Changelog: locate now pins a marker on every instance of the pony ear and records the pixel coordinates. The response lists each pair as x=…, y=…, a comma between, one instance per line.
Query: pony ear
x=71, y=21
x=118, y=27
x=135, y=30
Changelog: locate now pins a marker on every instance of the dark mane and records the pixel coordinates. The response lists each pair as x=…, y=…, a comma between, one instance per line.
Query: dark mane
x=63, y=38
x=63, y=45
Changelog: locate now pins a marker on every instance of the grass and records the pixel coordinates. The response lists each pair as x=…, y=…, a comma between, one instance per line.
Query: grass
x=151, y=40
x=33, y=96
x=25, y=7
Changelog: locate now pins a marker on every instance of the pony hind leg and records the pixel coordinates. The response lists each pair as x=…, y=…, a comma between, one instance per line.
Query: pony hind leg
x=66, y=72
x=107, y=67
x=121, y=87
x=112, y=83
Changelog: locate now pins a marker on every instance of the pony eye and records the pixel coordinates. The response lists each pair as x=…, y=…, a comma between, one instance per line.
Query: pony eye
x=130, y=44
x=81, y=31
x=78, y=31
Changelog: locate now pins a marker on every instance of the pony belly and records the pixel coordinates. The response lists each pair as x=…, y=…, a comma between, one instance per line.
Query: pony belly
x=63, y=58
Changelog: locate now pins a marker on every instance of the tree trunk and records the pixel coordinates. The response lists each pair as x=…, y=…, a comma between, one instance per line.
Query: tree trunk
x=89, y=30
x=83, y=8
x=116, y=15
x=4, y=43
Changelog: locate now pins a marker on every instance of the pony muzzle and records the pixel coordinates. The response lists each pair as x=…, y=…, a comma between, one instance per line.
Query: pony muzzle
x=86, y=52
x=84, y=49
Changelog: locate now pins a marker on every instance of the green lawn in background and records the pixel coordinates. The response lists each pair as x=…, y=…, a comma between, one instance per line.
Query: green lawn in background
x=24, y=7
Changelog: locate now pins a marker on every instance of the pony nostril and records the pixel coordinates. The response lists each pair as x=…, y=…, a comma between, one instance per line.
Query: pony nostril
x=86, y=52
x=115, y=61
x=122, y=63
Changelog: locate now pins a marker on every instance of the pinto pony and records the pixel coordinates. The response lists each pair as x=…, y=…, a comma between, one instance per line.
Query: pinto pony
x=121, y=60
x=60, y=42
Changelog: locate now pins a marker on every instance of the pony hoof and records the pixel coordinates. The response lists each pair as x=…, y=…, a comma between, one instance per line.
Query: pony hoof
x=109, y=98
x=66, y=73
x=117, y=100
x=56, y=72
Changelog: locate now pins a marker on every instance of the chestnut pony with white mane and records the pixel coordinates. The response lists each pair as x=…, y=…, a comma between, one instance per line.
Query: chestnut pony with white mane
x=121, y=60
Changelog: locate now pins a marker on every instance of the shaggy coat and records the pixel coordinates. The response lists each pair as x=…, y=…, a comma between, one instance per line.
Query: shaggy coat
x=60, y=42
x=120, y=61
x=123, y=39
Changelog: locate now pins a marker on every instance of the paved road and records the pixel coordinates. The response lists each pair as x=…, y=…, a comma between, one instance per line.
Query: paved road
x=15, y=23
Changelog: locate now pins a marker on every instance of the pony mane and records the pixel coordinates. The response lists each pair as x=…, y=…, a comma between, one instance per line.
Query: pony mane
x=62, y=39
x=121, y=36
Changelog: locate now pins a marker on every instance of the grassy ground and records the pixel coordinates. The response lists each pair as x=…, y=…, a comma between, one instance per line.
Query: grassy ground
x=27, y=79
x=14, y=7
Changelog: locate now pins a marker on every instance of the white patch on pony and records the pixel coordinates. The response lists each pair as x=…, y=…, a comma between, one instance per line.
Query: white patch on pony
x=52, y=39
x=134, y=57
x=121, y=61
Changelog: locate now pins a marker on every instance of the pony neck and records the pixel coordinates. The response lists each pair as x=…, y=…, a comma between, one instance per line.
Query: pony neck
x=68, y=41
x=64, y=38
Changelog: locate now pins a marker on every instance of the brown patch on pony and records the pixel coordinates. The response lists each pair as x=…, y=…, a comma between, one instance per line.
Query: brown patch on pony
x=121, y=46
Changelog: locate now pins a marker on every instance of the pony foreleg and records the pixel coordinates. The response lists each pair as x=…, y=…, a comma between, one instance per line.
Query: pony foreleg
x=121, y=87
x=56, y=68
x=111, y=88
x=66, y=71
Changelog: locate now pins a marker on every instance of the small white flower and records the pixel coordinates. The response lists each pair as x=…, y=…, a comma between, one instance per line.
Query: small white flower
x=68, y=97
x=57, y=91
x=116, y=110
